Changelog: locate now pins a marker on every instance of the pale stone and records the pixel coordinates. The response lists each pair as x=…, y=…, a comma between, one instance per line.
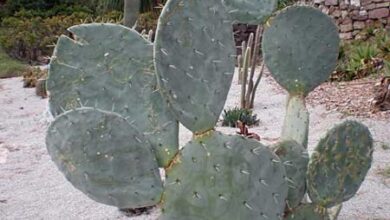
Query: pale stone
x=358, y=25
x=346, y=36
x=346, y=27
x=336, y=14
x=378, y=13
x=331, y=2
x=344, y=14
x=355, y=2
x=382, y=5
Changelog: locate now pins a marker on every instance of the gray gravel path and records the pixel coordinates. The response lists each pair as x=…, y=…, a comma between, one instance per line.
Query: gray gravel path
x=31, y=187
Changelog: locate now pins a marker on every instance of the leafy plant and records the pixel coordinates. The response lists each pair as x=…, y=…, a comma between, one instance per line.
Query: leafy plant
x=363, y=52
x=361, y=58
x=386, y=68
x=47, y=8
x=232, y=116
x=32, y=38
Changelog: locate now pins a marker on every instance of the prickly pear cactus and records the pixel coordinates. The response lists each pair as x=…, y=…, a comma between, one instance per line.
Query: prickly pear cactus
x=112, y=149
x=110, y=67
x=300, y=48
x=250, y=11
x=340, y=163
x=112, y=159
x=195, y=56
x=214, y=172
x=217, y=172
x=308, y=212
x=111, y=162
x=295, y=159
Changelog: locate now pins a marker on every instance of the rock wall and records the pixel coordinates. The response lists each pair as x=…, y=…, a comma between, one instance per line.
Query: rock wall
x=352, y=16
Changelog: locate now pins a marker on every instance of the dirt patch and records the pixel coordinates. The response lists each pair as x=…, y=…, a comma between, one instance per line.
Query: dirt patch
x=349, y=98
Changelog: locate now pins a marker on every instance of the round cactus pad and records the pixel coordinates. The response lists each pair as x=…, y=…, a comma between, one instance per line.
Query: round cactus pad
x=110, y=67
x=195, y=58
x=225, y=177
x=301, y=48
x=250, y=11
x=105, y=157
x=308, y=212
x=339, y=164
x=295, y=159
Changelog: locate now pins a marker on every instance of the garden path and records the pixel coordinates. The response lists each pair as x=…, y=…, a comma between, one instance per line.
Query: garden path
x=31, y=187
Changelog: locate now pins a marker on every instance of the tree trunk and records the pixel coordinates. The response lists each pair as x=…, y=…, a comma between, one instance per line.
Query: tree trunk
x=131, y=10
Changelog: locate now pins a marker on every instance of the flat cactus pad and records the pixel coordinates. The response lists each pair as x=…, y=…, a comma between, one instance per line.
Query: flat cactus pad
x=301, y=48
x=225, y=177
x=295, y=160
x=105, y=157
x=250, y=11
x=339, y=164
x=195, y=58
x=110, y=67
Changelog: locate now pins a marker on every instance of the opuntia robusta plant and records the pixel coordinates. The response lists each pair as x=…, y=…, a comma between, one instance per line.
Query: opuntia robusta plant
x=116, y=113
x=111, y=68
x=300, y=48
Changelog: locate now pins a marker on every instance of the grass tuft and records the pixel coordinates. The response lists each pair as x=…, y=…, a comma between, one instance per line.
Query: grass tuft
x=10, y=67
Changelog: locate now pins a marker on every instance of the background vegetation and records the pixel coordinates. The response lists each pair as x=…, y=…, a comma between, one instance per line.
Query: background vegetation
x=368, y=56
x=30, y=28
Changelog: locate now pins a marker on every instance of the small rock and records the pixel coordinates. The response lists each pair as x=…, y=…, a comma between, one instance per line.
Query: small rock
x=346, y=36
x=378, y=13
x=331, y=2
x=346, y=27
x=382, y=5
x=359, y=25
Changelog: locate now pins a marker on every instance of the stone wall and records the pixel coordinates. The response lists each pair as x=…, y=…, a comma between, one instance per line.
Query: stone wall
x=352, y=16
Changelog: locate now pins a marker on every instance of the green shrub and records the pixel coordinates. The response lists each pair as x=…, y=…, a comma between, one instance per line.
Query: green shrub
x=31, y=38
x=10, y=67
x=231, y=116
x=361, y=58
x=46, y=8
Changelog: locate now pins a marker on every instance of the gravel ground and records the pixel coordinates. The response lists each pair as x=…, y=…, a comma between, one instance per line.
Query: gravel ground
x=31, y=187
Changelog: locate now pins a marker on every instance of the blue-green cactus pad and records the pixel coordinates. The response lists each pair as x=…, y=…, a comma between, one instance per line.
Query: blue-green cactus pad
x=111, y=67
x=301, y=48
x=250, y=11
x=339, y=164
x=308, y=212
x=105, y=157
x=225, y=177
x=295, y=159
x=195, y=58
